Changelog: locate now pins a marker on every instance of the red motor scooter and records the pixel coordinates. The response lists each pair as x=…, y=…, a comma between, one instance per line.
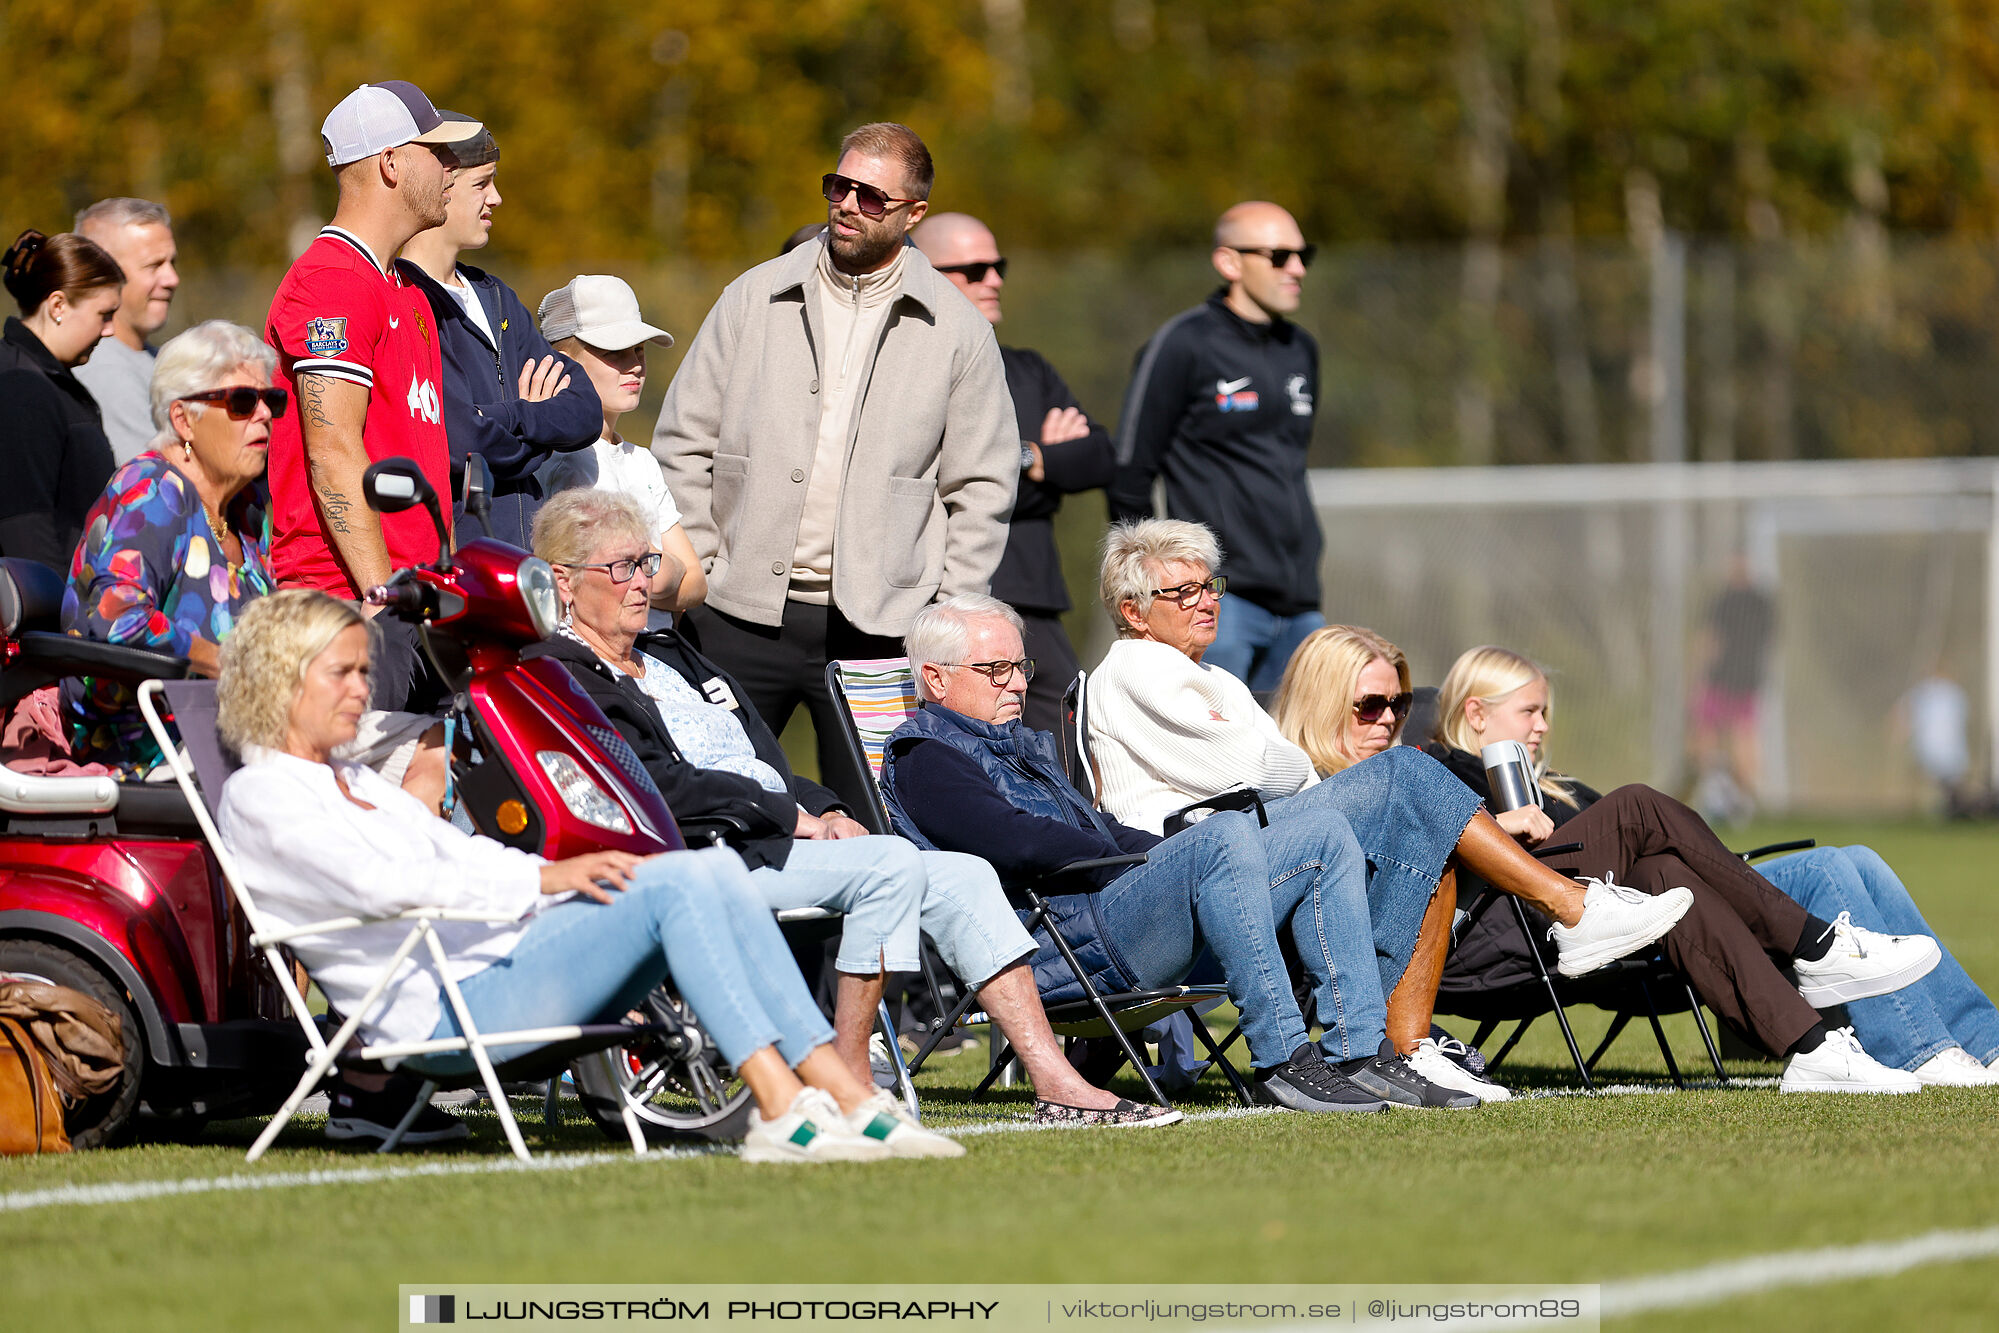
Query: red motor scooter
x=538, y=766
x=107, y=887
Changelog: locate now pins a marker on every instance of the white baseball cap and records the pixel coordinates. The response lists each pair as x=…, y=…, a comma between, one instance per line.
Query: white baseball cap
x=386, y=115
x=601, y=310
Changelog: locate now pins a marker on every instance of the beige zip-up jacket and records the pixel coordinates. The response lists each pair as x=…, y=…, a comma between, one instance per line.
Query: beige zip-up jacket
x=932, y=457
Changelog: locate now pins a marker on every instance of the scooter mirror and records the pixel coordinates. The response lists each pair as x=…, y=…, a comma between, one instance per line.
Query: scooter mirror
x=476, y=495
x=395, y=484
x=392, y=485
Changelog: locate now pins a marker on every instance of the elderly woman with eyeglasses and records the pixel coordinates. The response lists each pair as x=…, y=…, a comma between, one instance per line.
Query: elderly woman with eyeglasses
x=1167, y=730
x=174, y=548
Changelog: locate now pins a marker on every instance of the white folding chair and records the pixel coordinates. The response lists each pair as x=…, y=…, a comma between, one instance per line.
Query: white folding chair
x=188, y=698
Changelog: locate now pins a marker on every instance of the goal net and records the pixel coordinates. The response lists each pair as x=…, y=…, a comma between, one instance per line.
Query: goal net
x=1878, y=578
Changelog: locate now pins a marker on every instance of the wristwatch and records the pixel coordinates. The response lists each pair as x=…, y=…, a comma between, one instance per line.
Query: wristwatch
x=1026, y=454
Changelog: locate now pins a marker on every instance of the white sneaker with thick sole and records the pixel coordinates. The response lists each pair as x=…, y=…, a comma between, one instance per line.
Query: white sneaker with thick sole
x=810, y=1130
x=1862, y=964
x=1956, y=1068
x=1839, y=1065
x=1616, y=921
x=886, y=1120
x=1445, y=1072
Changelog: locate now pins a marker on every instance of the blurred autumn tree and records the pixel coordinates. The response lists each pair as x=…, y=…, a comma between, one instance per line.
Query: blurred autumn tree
x=638, y=133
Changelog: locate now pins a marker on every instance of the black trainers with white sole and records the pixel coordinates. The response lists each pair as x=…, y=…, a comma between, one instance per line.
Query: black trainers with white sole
x=1306, y=1082
x=352, y=1113
x=1390, y=1077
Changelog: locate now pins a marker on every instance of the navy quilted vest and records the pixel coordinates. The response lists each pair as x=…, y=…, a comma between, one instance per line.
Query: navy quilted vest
x=1024, y=765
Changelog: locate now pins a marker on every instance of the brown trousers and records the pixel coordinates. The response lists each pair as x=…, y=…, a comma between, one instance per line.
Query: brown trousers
x=1739, y=919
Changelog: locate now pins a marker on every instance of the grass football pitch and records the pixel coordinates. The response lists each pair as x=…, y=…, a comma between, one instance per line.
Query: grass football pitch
x=1547, y=1189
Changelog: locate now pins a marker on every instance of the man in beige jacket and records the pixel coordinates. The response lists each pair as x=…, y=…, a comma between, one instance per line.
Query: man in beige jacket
x=841, y=444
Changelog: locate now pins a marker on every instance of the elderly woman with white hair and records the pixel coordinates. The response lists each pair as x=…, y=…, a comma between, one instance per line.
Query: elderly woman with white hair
x=174, y=548
x=1167, y=730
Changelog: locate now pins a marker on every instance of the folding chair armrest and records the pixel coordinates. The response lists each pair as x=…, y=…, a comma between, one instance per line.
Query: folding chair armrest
x=333, y=925
x=1081, y=867
x=1554, y=849
x=1778, y=848
x=717, y=830
x=1235, y=798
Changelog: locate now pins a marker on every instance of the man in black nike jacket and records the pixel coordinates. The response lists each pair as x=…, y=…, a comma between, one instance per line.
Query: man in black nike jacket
x=1221, y=406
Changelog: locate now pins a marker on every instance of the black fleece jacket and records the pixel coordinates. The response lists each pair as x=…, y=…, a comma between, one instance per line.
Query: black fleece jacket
x=54, y=459
x=691, y=791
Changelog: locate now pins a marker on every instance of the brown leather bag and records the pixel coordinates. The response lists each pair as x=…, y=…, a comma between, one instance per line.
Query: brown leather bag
x=30, y=1110
x=82, y=1041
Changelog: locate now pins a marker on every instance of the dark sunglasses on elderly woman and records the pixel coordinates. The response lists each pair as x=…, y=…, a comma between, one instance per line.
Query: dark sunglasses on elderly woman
x=867, y=198
x=1370, y=707
x=241, y=401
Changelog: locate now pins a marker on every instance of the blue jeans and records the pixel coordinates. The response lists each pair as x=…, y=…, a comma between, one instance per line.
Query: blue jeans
x=1253, y=645
x=877, y=881
x=1227, y=886
x=1904, y=1028
x=892, y=893
x=695, y=915
x=1407, y=812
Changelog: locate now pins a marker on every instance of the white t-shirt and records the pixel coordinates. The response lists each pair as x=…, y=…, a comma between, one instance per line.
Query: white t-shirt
x=475, y=309
x=618, y=465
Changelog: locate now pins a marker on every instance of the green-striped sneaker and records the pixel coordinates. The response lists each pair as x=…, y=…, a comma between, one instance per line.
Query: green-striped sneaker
x=810, y=1130
x=883, y=1119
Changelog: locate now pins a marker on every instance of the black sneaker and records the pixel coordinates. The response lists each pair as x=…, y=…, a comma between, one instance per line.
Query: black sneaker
x=354, y=1114
x=1389, y=1076
x=1306, y=1082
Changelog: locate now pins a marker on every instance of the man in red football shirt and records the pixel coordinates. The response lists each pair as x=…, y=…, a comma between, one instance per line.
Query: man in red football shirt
x=359, y=349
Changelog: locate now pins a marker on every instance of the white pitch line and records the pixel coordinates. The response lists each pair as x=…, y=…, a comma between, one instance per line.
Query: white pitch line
x=1795, y=1268
x=138, y=1190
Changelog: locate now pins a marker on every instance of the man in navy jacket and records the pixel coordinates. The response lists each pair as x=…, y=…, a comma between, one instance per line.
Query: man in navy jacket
x=508, y=396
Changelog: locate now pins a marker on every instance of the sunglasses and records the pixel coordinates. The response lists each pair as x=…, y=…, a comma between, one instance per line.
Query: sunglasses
x=1189, y=594
x=1280, y=258
x=1369, y=708
x=621, y=571
x=1000, y=672
x=239, y=402
x=872, y=202
x=975, y=272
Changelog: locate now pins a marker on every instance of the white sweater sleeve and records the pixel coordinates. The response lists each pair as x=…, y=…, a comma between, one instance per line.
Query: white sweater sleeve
x=299, y=842
x=1192, y=729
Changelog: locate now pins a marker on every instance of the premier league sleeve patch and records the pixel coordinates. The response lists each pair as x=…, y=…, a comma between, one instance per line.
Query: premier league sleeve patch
x=326, y=336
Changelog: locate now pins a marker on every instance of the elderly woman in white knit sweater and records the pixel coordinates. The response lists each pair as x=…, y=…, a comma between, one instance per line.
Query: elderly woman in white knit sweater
x=1167, y=730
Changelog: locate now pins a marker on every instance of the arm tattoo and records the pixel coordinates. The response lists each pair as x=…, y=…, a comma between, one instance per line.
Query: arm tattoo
x=312, y=398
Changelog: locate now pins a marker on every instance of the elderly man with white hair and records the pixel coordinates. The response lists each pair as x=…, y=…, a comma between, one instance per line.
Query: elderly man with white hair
x=965, y=775
x=140, y=236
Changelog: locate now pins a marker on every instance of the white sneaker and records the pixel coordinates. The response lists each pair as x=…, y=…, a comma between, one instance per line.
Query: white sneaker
x=810, y=1130
x=884, y=1119
x=1839, y=1065
x=1863, y=963
x=1445, y=1072
x=1616, y=921
x=1956, y=1068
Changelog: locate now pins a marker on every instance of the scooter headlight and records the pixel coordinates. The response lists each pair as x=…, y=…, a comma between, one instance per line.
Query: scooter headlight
x=585, y=799
x=537, y=583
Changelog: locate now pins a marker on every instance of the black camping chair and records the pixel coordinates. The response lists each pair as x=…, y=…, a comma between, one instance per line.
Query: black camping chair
x=1627, y=988
x=889, y=685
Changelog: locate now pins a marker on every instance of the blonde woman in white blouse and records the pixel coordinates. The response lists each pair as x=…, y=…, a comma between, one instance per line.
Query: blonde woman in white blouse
x=588, y=937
